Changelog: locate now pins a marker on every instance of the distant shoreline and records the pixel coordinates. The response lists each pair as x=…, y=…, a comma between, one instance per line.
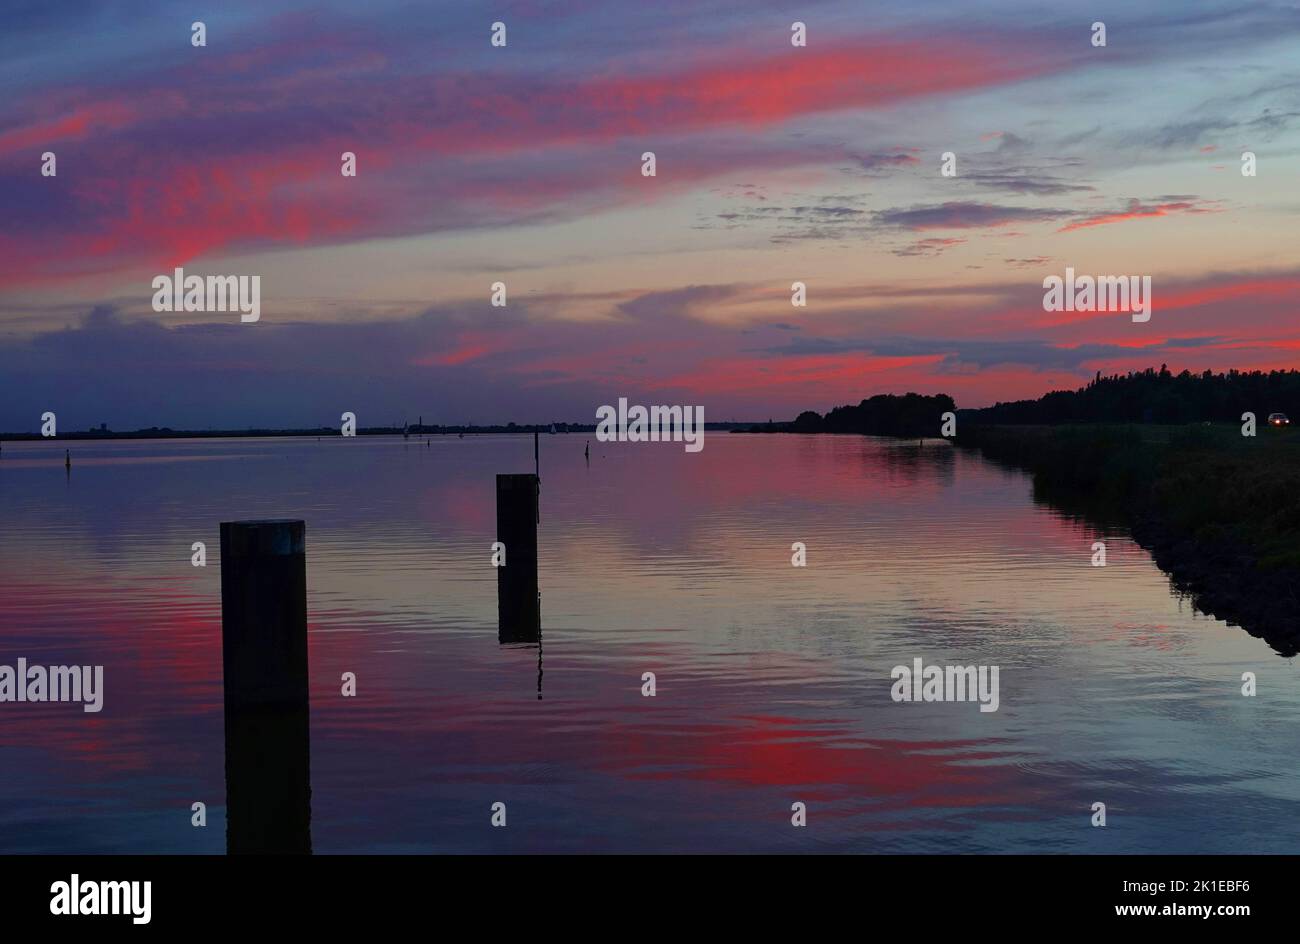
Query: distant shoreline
x=164, y=432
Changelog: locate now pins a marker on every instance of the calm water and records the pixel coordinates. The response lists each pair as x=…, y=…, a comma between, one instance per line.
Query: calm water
x=773, y=681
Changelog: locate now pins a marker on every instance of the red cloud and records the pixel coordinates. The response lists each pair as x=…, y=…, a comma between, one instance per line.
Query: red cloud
x=137, y=204
x=77, y=123
x=759, y=91
x=1279, y=289
x=1273, y=289
x=822, y=375
x=470, y=346
x=1137, y=210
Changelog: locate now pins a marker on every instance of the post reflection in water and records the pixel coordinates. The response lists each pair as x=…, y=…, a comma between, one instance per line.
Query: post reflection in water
x=268, y=781
x=264, y=660
x=774, y=681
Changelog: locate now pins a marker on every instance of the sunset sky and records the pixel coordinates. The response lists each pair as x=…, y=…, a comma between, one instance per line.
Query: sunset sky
x=522, y=164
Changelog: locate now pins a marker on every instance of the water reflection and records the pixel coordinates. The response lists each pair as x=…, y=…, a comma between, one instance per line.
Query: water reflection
x=773, y=681
x=266, y=684
x=268, y=781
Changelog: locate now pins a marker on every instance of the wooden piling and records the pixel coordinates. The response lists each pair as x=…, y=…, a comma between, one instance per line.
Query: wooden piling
x=264, y=662
x=518, y=609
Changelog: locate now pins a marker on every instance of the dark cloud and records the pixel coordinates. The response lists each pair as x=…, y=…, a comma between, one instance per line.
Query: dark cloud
x=965, y=215
x=875, y=164
x=1009, y=143
x=1024, y=183
x=927, y=247
x=138, y=373
x=1183, y=134
x=830, y=216
x=1192, y=132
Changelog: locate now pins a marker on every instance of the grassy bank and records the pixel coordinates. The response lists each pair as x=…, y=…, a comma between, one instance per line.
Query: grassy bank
x=1219, y=511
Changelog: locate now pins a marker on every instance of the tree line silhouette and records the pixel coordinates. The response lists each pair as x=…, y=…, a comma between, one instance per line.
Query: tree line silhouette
x=883, y=415
x=1152, y=396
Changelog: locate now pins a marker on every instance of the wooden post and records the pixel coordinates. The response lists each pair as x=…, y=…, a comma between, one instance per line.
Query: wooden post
x=264, y=662
x=518, y=610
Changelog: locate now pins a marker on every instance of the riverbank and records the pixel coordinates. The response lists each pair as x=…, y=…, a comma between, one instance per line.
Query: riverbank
x=1219, y=512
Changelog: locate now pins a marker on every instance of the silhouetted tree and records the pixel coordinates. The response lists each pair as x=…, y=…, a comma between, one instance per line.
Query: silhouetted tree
x=887, y=415
x=1158, y=397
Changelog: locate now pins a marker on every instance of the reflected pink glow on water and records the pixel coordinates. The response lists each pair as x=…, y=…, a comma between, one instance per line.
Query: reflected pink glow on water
x=773, y=681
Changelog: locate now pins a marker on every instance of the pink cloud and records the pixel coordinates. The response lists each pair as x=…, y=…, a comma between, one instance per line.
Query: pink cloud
x=1137, y=210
